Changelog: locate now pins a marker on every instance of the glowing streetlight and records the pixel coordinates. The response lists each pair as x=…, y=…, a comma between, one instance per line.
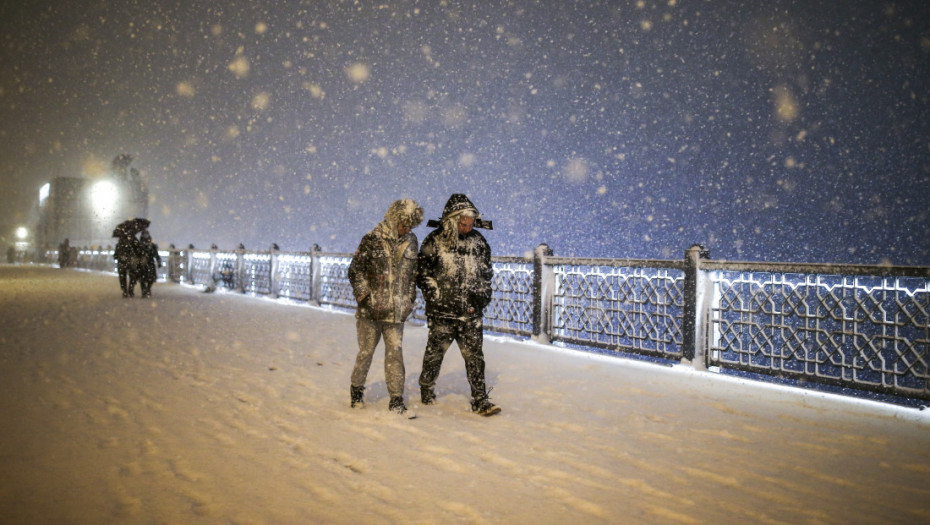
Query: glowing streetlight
x=104, y=197
x=22, y=233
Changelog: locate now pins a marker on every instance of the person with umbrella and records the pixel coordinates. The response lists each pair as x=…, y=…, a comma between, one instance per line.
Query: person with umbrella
x=125, y=253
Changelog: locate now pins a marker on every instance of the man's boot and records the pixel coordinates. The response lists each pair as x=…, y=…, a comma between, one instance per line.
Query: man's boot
x=357, y=393
x=397, y=405
x=427, y=396
x=484, y=407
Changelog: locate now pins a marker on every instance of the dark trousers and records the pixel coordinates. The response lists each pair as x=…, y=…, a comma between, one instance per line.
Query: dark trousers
x=146, y=283
x=469, y=335
x=127, y=279
x=147, y=277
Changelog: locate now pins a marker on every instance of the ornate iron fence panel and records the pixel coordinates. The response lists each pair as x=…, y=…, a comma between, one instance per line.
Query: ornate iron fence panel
x=295, y=276
x=163, y=271
x=175, y=265
x=868, y=332
x=511, y=307
x=860, y=327
x=256, y=273
x=200, y=270
x=225, y=273
x=637, y=310
x=335, y=288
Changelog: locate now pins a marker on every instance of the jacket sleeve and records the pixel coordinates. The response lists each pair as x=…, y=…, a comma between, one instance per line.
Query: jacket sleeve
x=411, y=280
x=426, y=269
x=358, y=274
x=485, y=275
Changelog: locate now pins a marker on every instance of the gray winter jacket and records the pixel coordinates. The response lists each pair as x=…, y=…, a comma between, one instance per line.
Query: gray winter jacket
x=383, y=273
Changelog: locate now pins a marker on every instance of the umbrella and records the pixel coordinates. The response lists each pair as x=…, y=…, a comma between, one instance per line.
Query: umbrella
x=131, y=227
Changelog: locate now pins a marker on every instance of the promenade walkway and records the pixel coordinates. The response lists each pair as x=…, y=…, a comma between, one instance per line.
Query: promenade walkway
x=223, y=408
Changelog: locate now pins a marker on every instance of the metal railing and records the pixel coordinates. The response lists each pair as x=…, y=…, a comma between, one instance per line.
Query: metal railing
x=861, y=327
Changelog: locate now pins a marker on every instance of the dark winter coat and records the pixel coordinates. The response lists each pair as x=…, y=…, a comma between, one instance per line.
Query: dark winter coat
x=150, y=260
x=383, y=273
x=454, y=271
x=124, y=251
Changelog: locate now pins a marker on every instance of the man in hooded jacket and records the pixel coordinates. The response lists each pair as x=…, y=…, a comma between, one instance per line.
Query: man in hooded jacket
x=150, y=262
x=124, y=254
x=454, y=272
x=382, y=274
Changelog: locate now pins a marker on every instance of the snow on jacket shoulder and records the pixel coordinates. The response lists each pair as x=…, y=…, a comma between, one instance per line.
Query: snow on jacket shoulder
x=454, y=279
x=382, y=274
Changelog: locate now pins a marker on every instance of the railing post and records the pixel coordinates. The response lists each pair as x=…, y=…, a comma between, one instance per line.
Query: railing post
x=273, y=270
x=240, y=268
x=172, y=262
x=213, y=250
x=316, y=277
x=692, y=323
x=189, y=268
x=543, y=280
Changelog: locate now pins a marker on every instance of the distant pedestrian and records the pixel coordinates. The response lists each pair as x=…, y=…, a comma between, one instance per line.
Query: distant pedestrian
x=454, y=272
x=124, y=253
x=383, y=277
x=150, y=261
x=64, y=253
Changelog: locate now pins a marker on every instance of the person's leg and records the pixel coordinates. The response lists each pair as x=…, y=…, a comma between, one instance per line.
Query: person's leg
x=133, y=278
x=368, y=337
x=123, y=273
x=471, y=341
x=394, y=372
x=440, y=337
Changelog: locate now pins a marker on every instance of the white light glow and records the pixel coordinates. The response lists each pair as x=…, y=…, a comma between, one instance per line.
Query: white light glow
x=43, y=193
x=21, y=233
x=104, y=196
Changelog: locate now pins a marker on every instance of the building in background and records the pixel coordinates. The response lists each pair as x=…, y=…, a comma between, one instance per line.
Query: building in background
x=85, y=211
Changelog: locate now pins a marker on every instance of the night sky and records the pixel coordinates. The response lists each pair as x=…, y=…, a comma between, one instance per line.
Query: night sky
x=774, y=131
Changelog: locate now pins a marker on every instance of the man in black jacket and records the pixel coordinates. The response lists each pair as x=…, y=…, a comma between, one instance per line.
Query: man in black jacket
x=150, y=262
x=454, y=272
x=382, y=273
x=124, y=255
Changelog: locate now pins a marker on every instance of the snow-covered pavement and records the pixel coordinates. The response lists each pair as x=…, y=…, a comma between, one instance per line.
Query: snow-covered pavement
x=222, y=408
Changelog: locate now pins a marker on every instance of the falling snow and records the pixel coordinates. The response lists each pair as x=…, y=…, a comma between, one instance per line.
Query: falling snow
x=766, y=131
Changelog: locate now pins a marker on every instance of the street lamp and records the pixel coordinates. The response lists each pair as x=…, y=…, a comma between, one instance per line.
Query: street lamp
x=104, y=197
x=18, y=253
x=105, y=208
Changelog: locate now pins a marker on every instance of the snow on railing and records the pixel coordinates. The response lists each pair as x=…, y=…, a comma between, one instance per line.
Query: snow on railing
x=861, y=327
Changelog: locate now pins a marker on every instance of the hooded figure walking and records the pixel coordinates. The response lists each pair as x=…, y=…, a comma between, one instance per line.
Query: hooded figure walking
x=454, y=272
x=150, y=261
x=383, y=278
x=124, y=254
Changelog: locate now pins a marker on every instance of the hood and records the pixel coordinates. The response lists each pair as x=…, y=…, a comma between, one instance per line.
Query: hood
x=403, y=211
x=457, y=204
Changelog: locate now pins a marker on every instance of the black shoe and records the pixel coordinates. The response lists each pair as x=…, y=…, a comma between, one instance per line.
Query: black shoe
x=427, y=396
x=397, y=405
x=357, y=393
x=484, y=407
